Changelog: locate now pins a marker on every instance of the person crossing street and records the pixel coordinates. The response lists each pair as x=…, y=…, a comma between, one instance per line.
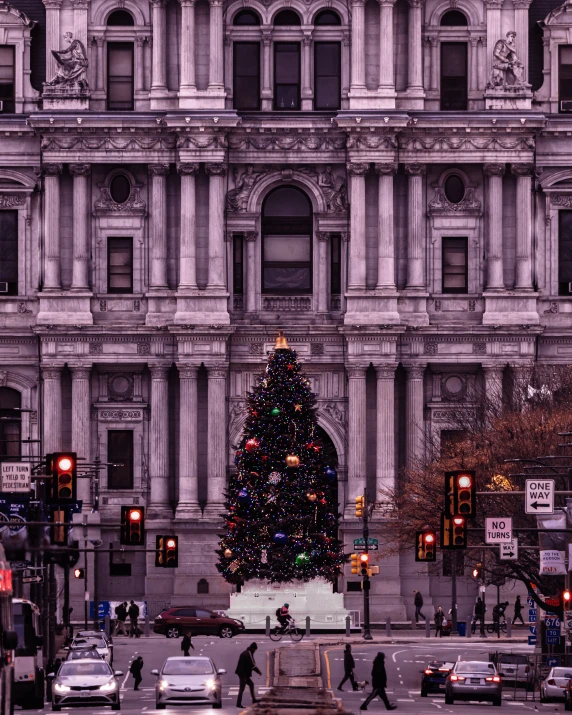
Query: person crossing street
x=244, y=669
x=349, y=665
x=379, y=683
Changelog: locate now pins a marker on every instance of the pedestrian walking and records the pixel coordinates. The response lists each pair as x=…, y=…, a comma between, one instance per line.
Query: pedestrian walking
x=120, y=618
x=186, y=643
x=349, y=665
x=133, y=614
x=439, y=618
x=517, y=611
x=479, y=616
x=244, y=669
x=135, y=670
x=418, y=603
x=379, y=683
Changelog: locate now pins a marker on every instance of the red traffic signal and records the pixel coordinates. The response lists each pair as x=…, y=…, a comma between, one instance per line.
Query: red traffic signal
x=167, y=551
x=63, y=469
x=477, y=572
x=79, y=573
x=460, y=493
x=453, y=532
x=425, y=545
x=566, y=595
x=132, y=525
x=364, y=563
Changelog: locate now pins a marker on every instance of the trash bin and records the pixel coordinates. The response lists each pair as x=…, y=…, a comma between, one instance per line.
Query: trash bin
x=462, y=628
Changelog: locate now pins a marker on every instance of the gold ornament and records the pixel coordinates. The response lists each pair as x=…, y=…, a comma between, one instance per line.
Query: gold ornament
x=292, y=460
x=281, y=342
x=311, y=496
x=297, y=408
x=227, y=553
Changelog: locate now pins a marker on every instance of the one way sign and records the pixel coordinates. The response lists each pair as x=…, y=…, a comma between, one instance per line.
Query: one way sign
x=509, y=551
x=539, y=496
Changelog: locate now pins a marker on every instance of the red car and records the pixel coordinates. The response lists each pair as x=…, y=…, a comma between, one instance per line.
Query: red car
x=196, y=621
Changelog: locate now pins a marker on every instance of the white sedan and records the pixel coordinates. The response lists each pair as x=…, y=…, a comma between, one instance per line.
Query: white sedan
x=554, y=685
x=97, y=642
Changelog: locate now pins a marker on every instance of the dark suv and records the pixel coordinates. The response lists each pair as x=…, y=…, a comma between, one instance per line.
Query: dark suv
x=197, y=622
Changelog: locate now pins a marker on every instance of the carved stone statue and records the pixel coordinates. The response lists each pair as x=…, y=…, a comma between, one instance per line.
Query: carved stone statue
x=508, y=70
x=334, y=190
x=237, y=198
x=72, y=65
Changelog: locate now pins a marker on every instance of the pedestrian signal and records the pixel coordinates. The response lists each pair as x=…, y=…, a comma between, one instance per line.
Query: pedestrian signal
x=360, y=507
x=79, y=573
x=477, y=572
x=132, y=525
x=566, y=598
x=364, y=564
x=59, y=535
x=160, y=551
x=373, y=571
x=460, y=494
x=62, y=468
x=171, y=552
x=453, y=532
x=425, y=545
x=354, y=563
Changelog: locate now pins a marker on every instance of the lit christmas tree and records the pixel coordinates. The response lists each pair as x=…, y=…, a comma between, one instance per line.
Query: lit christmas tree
x=282, y=520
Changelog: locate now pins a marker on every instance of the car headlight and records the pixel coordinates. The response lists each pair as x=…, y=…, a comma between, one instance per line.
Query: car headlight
x=211, y=685
x=60, y=688
x=106, y=687
x=163, y=684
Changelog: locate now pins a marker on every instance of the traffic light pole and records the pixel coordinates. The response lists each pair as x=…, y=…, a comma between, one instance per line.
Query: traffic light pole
x=366, y=582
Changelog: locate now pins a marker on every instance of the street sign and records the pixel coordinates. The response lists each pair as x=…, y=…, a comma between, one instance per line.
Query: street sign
x=531, y=640
x=509, y=551
x=33, y=579
x=15, y=477
x=498, y=530
x=553, y=662
x=539, y=496
x=372, y=544
x=553, y=640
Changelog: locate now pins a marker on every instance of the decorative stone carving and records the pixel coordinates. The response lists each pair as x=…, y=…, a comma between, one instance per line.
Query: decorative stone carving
x=8, y=201
x=479, y=348
x=522, y=169
x=317, y=348
x=237, y=198
x=508, y=70
x=135, y=143
x=287, y=143
x=120, y=387
x=441, y=205
x=96, y=348
x=564, y=200
x=356, y=169
x=80, y=169
x=552, y=308
x=210, y=141
x=3, y=378
x=453, y=387
x=335, y=410
x=121, y=415
x=215, y=169
x=158, y=169
x=415, y=169
x=477, y=144
x=251, y=236
x=389, y=169
x=334, y=190
x=23, y=308
x=134, y=204
x=371, y=141
x=72, y=66
x=256, y=348
x=52, y=169
x=103, y=306
x=430, y=348
x=188, y=169
x=494, y=169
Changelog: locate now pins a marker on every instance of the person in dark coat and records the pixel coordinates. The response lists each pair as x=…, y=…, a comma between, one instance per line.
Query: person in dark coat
x=186, y=643
x=418, y=603
x=379, y=683
x=349, y=665
x=135, y=670
x=133, y=613
x=439, y=618
x=517, y=611
x=479, y=616
x=244, y=669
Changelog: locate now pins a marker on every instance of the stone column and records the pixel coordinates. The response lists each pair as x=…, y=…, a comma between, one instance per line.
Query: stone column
x=493, y=387
x=356, y=431
x=434, y=50
x=356, y=266
x=159, y=63
x=414, y=404
x=474, y=64
x=323, y=291
x=216, y=76
x=358, y=45
x=80, y=423
x=495, y=271
x=99, y=76
x=523, y=173
x=494, y=33
x=415, y=57
x=139, y=63
x=188, y=505
x=385, y=238
x=159, y=441
x=386, y=50
x=217, y=447
x=81, y=224
x=188, y=241
x=251, y=288
x=52, y=279
x=415, y=227
x=80, y=8
x=307, y=92
x=266, y=92
x=217, y=263
x=187, y=80
x=385, y=467
x=521, y=28
x=54, y=39
x=158, y=226
x=52, y=409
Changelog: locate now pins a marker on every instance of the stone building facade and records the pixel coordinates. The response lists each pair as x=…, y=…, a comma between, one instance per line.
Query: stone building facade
x=381, y=179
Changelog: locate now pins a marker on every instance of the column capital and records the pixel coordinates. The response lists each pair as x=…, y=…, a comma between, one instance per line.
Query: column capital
x=80, y=372
x=357, y=169
x=140, y=41
x=415, y=169
x=215, y=3
x=522, y=169
x=158, y=169
x=385, y=371
x=215, y=169
x=307, y=40
x=52, y=372
x=159, y=371
x=251, y=236
x=386, y=169
x=474, y=40
x=99, y=40
x=323, y=235
x=53, y=4
x=358, y=3
x=493, y=369
x=217, y=372
x=158, y=3
x=51, y=169
x=356, y=372
x=415, y=371
x=79, y=169
x=494, y=169
x=416, y=3
x=187, y=3
x=389, y=3
x=493, y=4
x=185, y=169
x=521, y=4
x=187, y=372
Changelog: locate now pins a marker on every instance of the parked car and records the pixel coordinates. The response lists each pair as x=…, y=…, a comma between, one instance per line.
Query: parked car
x=188, y=680
x=97, y=642
x=83, y=653
x=85, y=682
x=95, y=634
x=568, y=696
x=197, y=621
x=473, y=680
x=517, y=668
x=554, y=685
x=434, y=677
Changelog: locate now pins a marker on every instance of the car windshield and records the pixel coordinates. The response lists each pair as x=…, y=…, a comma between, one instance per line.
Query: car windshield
x=189, y=666
x=510, y=658
x=77, y=654
x=89, y=643
x=561, y=673
x=84, y=668
x=90, y=634
x=474, y=666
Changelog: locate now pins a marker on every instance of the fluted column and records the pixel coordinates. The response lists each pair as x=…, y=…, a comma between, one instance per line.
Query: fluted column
x=415, y=429
x=356, y=266
x=52, y=408
x=159, y=61
x=217, y=264
x=493, y=25
x=159, y=440
x=251, y=289
x=523, y=173
x=358, y=45
x=216, y=77
x=521, y=23
x=356, y=431
x=53, y=35
x=81, y=224
x=52, y=251
x=217, y=448
x=306, y=69
x=139, y=63
x=266, y=92
x=415, y=56
x=188, y=471
x=187, y=80
x=385, y=237
x=474, y=62
x=323, y=289
x=386, y=50
x=158, y=226
x=434, y=45
x=99, y=76
x=80, y=19
x=188, y=242
x=80, y=423
x=415, y=226
x=495, y=266
x=385, y=467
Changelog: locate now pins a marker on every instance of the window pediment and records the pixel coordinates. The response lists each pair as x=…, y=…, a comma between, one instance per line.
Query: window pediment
x=10, y=15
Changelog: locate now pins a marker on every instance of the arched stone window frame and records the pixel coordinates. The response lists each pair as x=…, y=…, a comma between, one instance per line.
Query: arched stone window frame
x=557, y=188
x=15, y=30
x=557, y=30
x=28, y=389
x=16, y=193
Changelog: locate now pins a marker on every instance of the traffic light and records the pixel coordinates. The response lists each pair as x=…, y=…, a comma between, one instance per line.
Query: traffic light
x=354, y=563
x=373, y=571
x=171, y=552
x=160, y=551
x=360, y=506
x=460, y=493
x=425, y=543
x=79, y=573
x=132, y=525
x=453, y=532
x=59, y=532
x=364, y=564
x=62, y=466
x=477, y=572
x=566, y=596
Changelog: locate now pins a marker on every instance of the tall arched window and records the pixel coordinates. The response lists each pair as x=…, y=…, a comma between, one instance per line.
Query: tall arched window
x=454, y=18
x=287, y=242
x=246, y=17
x=120, y=18
x=327, y=17
x=287, y=18
x=10, y=430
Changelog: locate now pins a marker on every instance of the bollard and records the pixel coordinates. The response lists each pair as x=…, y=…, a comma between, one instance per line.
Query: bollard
x=469, y=625
x=267, y=626
x=307, y=625
x=508, y=628
x=147, y=626
x=388, y=627
x=107, y=625
x=427, y=628
x=348, y=628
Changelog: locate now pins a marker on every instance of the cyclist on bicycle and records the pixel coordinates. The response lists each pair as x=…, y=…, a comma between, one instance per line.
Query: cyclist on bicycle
x=498, y=613
x=283, y=616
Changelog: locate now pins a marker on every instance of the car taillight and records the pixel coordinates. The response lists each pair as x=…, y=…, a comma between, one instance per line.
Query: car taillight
x=551, y=682
x=493, y=679
x=428, y=672
x=457, y=677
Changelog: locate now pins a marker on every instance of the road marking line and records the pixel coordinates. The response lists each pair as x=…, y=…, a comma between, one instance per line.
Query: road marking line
x=397, y=652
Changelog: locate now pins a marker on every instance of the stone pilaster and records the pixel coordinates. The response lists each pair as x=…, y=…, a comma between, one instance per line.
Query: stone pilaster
x=53, y=35
x=81, y=428
x=80, y=12
x=386, y=240
x=139, y=63
x=99, y=74
x=159, y=57
x=158, y=226
x=217, y=447
x=159, y=505
x=52, y=279
x=385, y=466
x=216, y=173
x=356, y=266
x=356, y=434
x=434, y=53
x=358, y=46
x=81, y=222
x=415, y=54
x=188, y=505
x=415, y=227
x=386, y=49
x=188, y=241
x=216, y=76
x=521, y=23
x=251, y=289
x=266, y=93
x=52, y=408
x=524, y=174
x=495, y=272
x=414, y=404
x=307, y=92
x=494, y=33
x=474, y=64
x=323, y=288
x=187, y=81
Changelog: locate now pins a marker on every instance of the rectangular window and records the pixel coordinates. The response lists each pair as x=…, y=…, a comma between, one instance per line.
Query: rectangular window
x=564, y=253
x=287, y=76
x=246, y=69
x=455, y=265
x=8, y=253
x=120, y=265
x=453, y=76
x=353, y=586
x=327, y=75
x=336, y=264
x=7, y=94
x=238, y=264
x=120, y=76
x=287, y=265
x=120, y=455
x=565, y=78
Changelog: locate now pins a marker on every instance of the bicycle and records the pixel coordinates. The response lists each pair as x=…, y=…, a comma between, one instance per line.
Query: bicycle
x=295, y=634
x=493, y=627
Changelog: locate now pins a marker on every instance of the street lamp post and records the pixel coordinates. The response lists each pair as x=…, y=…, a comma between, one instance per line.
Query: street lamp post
x=366, y=581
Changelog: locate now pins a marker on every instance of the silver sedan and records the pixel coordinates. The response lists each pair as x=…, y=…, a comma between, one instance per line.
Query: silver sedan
x=554, y=685
x=188, y=680
x=85, y=682
x=473, y=680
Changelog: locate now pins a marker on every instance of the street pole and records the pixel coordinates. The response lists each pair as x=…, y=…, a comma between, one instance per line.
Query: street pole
x=366, y=582
x=454, y=594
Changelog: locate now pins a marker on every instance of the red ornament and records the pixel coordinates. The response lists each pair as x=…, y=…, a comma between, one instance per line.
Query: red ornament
x=323, y=501
x=290, y=366
x=317, y=448
x=254, y=413
x=264, y=458
x=310, y=445
x=252, y=444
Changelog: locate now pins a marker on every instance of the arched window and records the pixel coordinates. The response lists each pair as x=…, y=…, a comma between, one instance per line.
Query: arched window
x=287, y=243
x=10, y=425
x=454, y=86
x=120, y=18
x=327, y=17
x=120, y=76
x=203, y=586
x=287, y=18
x=454, y=18
x=246, y=17
x=454, y=188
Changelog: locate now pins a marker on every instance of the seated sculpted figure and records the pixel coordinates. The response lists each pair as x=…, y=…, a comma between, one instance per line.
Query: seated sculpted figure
x=507, y=70
x=72, y=64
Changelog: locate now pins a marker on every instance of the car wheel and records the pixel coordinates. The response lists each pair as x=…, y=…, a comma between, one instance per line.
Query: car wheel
x=160, y=706
x=172, y=632
x=116, y=706
x=567, y=705
x=56, y=708
x=497, y=702
x=542, y=697
x=423, y=692
x=448, y=699
x=226, y=632
x=217, y=706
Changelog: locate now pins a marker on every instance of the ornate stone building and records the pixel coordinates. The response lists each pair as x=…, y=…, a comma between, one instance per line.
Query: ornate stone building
x=386, y=180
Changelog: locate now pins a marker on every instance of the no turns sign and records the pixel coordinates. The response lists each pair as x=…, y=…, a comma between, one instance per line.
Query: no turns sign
x=498, y=530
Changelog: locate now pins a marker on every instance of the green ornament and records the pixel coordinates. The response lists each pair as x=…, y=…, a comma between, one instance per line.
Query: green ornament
x=301, y=559
x=275, y=412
